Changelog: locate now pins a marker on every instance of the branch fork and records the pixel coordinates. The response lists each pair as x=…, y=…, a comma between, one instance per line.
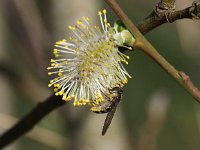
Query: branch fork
x=195, y=10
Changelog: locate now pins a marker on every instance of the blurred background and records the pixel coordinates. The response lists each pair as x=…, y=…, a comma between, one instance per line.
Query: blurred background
x=155, y=113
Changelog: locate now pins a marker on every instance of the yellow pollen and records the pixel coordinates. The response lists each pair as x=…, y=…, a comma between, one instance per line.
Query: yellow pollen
x=56, y=85
x=127, y=57
x=59, y=42
x=62, y=92
x=130, y=48
x=55, y=90
x=52, y=60
x=99, y=13
x=60, y=74
x=69, y=98
x=125, y=81
x=55, y=51
x=79, y=22
x=85, y=18
x=71, y=28
x=123, y=60
x=51, y=81
x=76, y=103
x=56, y=93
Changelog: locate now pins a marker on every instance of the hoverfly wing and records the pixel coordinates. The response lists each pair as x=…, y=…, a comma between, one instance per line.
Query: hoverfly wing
x=113, y=105
x=108, y=119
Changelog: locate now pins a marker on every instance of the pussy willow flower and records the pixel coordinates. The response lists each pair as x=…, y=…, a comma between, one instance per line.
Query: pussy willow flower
x=88, y=64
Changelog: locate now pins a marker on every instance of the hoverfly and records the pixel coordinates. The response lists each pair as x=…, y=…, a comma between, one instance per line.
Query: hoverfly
x=109, y=107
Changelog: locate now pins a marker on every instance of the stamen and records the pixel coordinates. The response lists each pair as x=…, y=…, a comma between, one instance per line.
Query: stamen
x=102, y=24
x=105, y=20
x=89, y=64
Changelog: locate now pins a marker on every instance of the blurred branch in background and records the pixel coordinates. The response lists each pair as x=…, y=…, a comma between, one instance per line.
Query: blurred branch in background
x=22, y=82
x=189, y=39
x=42, y=135
x=118, y=137
x=34, y=25
x=74, y=120
x=34, y=40
x=157, y=115
x=30, y=120
x=8, y=71
x=44, y=108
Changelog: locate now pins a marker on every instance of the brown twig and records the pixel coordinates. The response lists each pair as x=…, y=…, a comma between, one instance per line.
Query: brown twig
x=166, y=5
x=154, y=19
x=151, y=22
x=189, y=85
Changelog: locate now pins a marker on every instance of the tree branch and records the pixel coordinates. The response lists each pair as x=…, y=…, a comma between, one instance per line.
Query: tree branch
x=189, y=85
x=166, y=4
x=152, y=21
x=156, y=19
x=142, y=44
x=28, y=122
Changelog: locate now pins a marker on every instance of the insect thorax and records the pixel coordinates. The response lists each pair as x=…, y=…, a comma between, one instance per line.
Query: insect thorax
x=107, y=105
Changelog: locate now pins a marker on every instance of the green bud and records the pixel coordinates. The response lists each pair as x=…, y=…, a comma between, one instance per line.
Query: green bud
x=122, y=36
x=129, y=40
x=119, y=26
